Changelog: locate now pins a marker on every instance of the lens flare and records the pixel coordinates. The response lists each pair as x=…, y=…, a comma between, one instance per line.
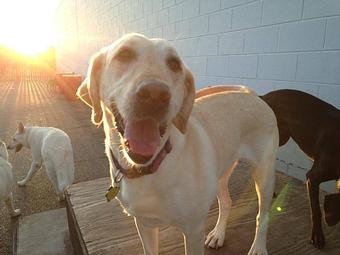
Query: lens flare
x=27, y=26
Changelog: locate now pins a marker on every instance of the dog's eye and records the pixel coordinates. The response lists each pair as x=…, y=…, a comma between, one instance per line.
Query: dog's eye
x=125, y=55
x=174, y=64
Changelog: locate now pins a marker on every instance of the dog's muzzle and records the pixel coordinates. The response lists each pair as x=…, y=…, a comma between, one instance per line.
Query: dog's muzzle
x=152, y=99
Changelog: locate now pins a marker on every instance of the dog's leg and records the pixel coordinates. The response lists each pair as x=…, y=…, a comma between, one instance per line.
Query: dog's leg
x=35, y=166
x=317, y=236
x=264, y=176
x=148, y=236
x=215, y=238
x=194, y=240
x=10, y=205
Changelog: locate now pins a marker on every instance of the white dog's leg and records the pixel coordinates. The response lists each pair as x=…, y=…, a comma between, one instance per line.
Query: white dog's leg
x=264, y=176
x=10, y=204
x=35, y=166
x=194, y=241
x=215, y=238
x=148, y=236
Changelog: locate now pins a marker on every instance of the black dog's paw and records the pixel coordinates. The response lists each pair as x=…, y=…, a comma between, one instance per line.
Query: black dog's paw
x=317, y=239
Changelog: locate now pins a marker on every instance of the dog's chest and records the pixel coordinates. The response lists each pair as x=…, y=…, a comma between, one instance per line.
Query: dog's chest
x=145, y=201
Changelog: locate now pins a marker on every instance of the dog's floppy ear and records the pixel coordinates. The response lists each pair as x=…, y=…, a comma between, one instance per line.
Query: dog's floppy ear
x=83, y=93
x=21, y=128
x=182, y=116
x=88, y=91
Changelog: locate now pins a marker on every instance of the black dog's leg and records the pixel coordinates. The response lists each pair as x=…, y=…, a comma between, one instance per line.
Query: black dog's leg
x=317, y=237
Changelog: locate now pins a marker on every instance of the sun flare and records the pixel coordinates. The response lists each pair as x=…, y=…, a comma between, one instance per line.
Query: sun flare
x=27, y=26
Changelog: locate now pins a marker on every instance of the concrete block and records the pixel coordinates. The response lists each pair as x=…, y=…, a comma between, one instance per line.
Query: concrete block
x=217, y=66
x=152, y=20
x=157, y=32
x=243, y=66
x=197, y=65
x=278, y=11
x=330, y=94
x=208, y=6
x=220, y=21
x=333, y=33
x=246, y=16
x=277, y=66
x=207, y=45
x=261, y=40
x=176, y=13
x=231, y=43
x=329, y=186
x=170, y=31
x=319, y=67
x=232, y=3
x=302, y=36
x=182, y=29
x=199, y=26
x=147, y=6
x=320, y=8
x=191, y=8
x=163, y=17
x=261, y=87
x=188, y=47
x=157, y=5
x=204, y=81
x=168, y=3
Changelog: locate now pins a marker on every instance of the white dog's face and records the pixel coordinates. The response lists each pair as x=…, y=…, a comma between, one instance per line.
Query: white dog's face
x=145, y=87
x=17, y=139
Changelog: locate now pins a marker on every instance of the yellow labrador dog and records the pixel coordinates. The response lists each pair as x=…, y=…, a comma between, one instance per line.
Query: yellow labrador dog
x=171, y=155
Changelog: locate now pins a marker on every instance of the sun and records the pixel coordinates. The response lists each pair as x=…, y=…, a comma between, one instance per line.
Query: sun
x=27, y=26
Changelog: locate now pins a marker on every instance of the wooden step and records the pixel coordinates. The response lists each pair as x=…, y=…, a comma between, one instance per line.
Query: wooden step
x=99, y=227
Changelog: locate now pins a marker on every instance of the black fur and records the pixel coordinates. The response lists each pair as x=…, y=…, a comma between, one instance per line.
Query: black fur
x=315, y=126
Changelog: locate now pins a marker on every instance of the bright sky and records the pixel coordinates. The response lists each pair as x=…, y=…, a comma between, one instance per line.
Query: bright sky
x=27, y=25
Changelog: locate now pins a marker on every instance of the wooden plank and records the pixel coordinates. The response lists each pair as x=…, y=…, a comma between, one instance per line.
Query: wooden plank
x=105, y=229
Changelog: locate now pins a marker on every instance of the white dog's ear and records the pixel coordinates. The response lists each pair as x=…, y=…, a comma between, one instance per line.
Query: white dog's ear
x=88, y=91
x=182, y=116
x=21, y=128
x=83, y=93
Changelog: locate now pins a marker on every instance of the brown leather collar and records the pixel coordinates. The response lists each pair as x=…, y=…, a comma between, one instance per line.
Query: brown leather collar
x=135, y=172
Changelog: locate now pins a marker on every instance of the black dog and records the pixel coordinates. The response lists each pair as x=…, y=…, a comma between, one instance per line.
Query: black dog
x=315, y=127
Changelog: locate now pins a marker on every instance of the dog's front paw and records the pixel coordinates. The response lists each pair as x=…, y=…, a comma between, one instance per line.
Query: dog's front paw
x=215, y=239
x=257, y=249
x=15, y=213
x=317, y=239
x=21, y=183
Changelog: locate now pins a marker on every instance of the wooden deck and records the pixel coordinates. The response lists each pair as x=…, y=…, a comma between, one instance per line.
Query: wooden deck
x=98, y=227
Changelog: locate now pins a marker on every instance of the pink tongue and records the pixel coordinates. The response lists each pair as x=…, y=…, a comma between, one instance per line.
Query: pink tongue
x=143, y=136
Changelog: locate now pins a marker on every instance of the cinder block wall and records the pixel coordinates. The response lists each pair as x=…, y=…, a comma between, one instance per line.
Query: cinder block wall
x=264, y=44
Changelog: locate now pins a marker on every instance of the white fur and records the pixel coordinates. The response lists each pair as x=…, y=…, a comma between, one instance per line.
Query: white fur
x=52, y=148
x=225, y=124
x=6, y=180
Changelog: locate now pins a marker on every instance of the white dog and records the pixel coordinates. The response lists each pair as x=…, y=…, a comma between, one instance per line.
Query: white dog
x=51, y=147
x=6, y=180
x=175, y=155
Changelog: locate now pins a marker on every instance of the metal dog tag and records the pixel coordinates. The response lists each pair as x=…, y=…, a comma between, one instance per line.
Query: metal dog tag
x=111, y=193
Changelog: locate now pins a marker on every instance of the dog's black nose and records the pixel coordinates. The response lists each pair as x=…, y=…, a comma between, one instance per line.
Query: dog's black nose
x=153, y=93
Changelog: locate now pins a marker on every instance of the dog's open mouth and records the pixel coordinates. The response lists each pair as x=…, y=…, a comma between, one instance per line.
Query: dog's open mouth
x=141, y=137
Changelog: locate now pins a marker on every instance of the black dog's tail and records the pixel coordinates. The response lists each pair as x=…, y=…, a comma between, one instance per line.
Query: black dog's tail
x=281, y=124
